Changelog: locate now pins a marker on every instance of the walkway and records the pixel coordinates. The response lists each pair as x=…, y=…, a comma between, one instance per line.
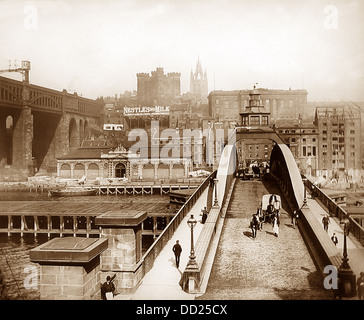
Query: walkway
x=354, y=247
x=162, y=281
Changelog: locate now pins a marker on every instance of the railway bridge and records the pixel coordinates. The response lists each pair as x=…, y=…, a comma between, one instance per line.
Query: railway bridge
x=39, y=124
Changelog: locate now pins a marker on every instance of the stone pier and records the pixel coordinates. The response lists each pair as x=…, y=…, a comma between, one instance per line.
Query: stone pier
x=69, y=268
x=124, y=233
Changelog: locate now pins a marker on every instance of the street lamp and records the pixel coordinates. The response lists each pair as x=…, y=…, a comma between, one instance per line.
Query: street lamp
x=192, y=223
x=347, y=285
x=304, y=180
x=216, y=202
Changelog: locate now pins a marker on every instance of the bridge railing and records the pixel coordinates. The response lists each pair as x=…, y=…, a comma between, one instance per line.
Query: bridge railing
x=337, y=211
x=147, y=260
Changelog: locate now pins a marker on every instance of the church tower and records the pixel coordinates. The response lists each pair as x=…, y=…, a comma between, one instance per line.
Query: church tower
x=198, y=83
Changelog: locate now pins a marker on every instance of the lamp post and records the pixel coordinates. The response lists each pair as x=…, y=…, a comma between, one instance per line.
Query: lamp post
x=216, y=202
x=191, y=275
x=192, y=223
x=347, y=278
x=304, y=180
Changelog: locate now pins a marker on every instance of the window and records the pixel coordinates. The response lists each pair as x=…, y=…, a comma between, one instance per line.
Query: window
x=352, y=131
x=304, y=151
x=293, y=139
x=254, y=120
x=265, y=120
x=314, y=151
x=217, y=101
x=324, y=131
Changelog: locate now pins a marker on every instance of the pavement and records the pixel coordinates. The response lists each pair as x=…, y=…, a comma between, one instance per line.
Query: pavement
x=162, y=281
x=354, y=248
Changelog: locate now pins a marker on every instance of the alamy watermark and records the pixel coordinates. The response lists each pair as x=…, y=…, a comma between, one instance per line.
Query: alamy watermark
x=331, y=280
x=331, y=19
x=30, y=21
x=197, y=146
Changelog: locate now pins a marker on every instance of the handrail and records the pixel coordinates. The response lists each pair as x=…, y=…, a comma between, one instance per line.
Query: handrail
x=337, y=211
x=147, y=260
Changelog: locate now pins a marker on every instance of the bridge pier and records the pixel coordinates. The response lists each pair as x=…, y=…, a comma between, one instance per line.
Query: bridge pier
x=124, y=233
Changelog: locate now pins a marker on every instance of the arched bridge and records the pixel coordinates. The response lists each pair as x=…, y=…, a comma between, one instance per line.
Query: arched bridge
x=38, y=124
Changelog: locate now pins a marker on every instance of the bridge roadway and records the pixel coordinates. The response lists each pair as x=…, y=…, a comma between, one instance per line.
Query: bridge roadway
x=267, y=267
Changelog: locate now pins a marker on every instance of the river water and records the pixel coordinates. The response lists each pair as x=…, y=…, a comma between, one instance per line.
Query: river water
x=21, y=275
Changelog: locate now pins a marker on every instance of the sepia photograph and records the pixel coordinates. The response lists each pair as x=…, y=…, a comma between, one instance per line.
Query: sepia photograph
x=182, y=156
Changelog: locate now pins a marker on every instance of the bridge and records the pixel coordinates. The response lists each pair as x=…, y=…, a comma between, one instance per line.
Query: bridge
x=230, y=264
x=39, y=124
x=227, y=262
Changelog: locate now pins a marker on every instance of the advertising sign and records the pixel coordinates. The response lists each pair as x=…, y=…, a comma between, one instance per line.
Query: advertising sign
x=146, y=111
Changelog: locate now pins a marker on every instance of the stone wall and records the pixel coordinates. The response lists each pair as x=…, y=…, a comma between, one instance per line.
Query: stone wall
x=60, y=282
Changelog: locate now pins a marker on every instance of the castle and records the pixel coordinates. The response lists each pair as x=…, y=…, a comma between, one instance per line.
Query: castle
x=158, y=89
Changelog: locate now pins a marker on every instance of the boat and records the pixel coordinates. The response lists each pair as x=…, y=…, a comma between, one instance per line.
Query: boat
x=71, y=192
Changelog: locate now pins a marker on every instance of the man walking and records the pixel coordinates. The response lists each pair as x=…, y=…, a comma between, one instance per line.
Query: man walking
x=325, y=222
x=177, y=249
x=334, y=239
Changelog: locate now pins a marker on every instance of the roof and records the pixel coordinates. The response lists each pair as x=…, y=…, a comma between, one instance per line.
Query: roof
x=84, y=154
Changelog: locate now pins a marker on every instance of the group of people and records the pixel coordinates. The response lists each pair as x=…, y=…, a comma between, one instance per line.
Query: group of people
x=271, y=216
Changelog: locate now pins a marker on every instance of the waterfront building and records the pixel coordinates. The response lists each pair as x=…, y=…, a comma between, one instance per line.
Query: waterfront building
x=96, y=160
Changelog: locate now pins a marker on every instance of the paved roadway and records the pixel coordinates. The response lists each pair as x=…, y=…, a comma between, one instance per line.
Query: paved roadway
x=266, y=267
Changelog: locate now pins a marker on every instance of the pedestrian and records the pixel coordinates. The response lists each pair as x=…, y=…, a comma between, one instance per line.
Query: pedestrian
x=334, y=239
x=254, y=226
x=260, y=217
x=294, y=219
x=204, y=215
x=275, y=225
x=270, y=210
x=177, y=249
x=325, y=222
x=360, y=285
x=277, y=205
x=108, y=288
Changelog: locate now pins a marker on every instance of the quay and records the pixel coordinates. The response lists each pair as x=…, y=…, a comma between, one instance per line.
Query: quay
x=76, y=217
x=130, y=188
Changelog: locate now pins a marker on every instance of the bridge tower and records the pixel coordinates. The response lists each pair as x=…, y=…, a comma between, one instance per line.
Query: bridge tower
x=255, y=114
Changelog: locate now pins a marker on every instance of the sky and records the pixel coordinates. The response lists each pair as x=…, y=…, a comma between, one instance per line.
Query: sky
x=96, y=47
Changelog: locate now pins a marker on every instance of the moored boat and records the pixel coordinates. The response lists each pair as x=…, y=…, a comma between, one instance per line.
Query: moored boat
x=70, y=192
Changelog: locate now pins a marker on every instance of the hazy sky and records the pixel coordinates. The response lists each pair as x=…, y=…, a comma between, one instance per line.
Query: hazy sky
x=97, y=47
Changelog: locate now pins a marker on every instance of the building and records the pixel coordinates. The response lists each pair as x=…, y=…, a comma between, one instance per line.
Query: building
x=339, y=144
x=254, y=115
x=158, y=89
x=226, y=106
x=302, y=139
x=199, y=83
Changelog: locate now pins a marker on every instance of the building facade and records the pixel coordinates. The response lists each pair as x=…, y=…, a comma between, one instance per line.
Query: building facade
x=302, y=139
x=339, y=144
x=281, y=104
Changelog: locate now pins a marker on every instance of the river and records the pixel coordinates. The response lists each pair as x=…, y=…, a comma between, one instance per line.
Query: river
x=21, y=275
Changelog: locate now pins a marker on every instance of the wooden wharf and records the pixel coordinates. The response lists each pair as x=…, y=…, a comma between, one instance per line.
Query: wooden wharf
x=72, y=218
